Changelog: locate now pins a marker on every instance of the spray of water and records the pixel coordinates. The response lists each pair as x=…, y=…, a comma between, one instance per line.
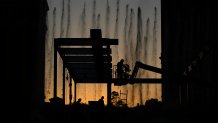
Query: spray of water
x=115, y=48
x=99, y=21
x=138, y=52
x=125, y=38
x=83, y=21
x=139, y=48
x=107, y=20
x=146, y=39
x=117, y=20
x=62, y=20
x=94, y=15
x=49, y=58
x=131, y=48
x=154, y=49
x=68, y=18
x=53, y=28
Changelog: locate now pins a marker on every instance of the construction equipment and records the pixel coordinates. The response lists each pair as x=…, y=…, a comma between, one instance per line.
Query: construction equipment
x=139, y=64
x=124, y=97
x=131, y=78
x=182, y=76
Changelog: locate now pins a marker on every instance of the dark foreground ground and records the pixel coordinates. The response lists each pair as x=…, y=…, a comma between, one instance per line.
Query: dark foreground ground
x=109, y=114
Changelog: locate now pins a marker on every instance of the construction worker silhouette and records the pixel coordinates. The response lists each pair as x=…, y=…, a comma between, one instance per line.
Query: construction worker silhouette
x=126, y=71
x=120, y=69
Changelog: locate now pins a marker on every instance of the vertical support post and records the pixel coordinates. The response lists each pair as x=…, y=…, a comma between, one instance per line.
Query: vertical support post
x=108, y=85
x=74, y=91
x=64, y=83
x=70, y=96
x=55, y=68
x=109, y=93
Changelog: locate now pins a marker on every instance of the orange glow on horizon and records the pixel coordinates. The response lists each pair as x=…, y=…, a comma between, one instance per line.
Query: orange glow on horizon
x=76, y=23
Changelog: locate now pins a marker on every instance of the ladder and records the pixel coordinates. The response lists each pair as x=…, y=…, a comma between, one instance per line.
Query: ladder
x=124, y=97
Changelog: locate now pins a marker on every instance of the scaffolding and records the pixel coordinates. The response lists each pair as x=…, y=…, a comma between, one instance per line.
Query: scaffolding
x=124, y=97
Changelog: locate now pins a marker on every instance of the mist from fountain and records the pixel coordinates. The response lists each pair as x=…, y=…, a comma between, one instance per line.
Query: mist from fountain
x=138, y=45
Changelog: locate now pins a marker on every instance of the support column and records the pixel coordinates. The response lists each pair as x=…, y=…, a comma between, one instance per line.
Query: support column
x=108, y=83
x=70, y=96
x=63, y=83
x=74, y=91
x=108, y=93
x=55, y=69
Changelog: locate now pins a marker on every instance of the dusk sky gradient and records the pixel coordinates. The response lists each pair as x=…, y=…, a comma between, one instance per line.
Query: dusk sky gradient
x=75, y=21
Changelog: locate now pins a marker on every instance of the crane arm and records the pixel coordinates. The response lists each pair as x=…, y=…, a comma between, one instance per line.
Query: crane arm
x=138, y=65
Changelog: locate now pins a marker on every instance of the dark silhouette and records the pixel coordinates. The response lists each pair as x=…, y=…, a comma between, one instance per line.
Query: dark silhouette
x=101, y=101
x=126, y=71
x=153, y=105
x=123, y=69
x=85, y=64
x=120, y=69
x=186, y=30
x=78, y=105
x=78, y=101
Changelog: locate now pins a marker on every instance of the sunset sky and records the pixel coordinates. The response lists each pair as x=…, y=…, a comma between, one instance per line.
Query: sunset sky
x=75, y=18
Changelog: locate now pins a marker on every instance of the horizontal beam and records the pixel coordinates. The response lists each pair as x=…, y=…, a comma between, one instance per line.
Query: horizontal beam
x=196, y=82
x=90, y=76
x=82, y=51
x=126, y=81
x=85, y=58
x=85, y=74
x=93, y=80
x=88, y=66
x=89, y=71
x=84, y=41
x=139, y=80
